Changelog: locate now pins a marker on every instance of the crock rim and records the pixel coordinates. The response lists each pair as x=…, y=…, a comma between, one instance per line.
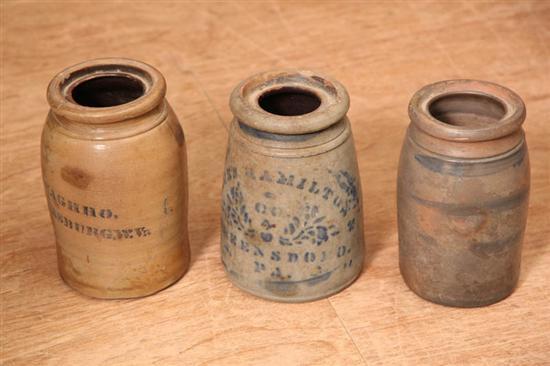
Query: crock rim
x=511, y=121
x=62, y=104
x=334, y=101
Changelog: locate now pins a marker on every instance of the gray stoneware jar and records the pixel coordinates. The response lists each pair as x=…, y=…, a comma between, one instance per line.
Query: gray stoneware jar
x=292, y=223
x=463, y=193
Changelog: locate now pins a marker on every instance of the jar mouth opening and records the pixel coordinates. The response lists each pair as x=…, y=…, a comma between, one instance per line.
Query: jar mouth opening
x=106, y=90
x=467, y=110
x=289, y=102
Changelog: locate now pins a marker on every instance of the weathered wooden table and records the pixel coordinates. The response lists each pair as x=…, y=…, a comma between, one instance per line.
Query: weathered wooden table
x=382, y=52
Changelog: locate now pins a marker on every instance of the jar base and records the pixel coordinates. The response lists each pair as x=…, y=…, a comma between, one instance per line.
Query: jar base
x=294, y=300
x=97, y=293
x=457, y=304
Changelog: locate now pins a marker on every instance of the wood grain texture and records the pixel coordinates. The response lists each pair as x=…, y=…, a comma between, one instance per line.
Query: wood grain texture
x=382, y=52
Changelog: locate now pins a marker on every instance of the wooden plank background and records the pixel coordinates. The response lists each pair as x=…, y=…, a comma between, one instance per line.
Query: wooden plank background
x=382, y=52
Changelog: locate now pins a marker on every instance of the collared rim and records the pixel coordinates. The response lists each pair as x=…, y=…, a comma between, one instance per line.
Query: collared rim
x=334, y=102
x=60, y=88
x=511, y=121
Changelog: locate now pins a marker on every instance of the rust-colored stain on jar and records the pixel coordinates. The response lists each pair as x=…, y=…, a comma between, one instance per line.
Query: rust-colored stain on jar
x=76, y=177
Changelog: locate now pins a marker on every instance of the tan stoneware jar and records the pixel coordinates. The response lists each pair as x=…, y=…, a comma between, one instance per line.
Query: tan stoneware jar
x=292, y=227
x=463, y=190
x=115, y=174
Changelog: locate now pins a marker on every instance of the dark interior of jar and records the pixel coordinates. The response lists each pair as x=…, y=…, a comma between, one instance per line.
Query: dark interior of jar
x=289, y=101
x=465, y=109
x=107, y=91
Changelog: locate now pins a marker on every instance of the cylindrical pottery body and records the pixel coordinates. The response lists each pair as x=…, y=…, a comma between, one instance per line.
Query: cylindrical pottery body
x=114, y=170
x=291, y=204
x=463, y=189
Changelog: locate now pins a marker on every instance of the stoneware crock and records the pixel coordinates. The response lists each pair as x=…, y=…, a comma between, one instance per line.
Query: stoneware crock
x=292, y=227
x=463, y=189
x=114, y=170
